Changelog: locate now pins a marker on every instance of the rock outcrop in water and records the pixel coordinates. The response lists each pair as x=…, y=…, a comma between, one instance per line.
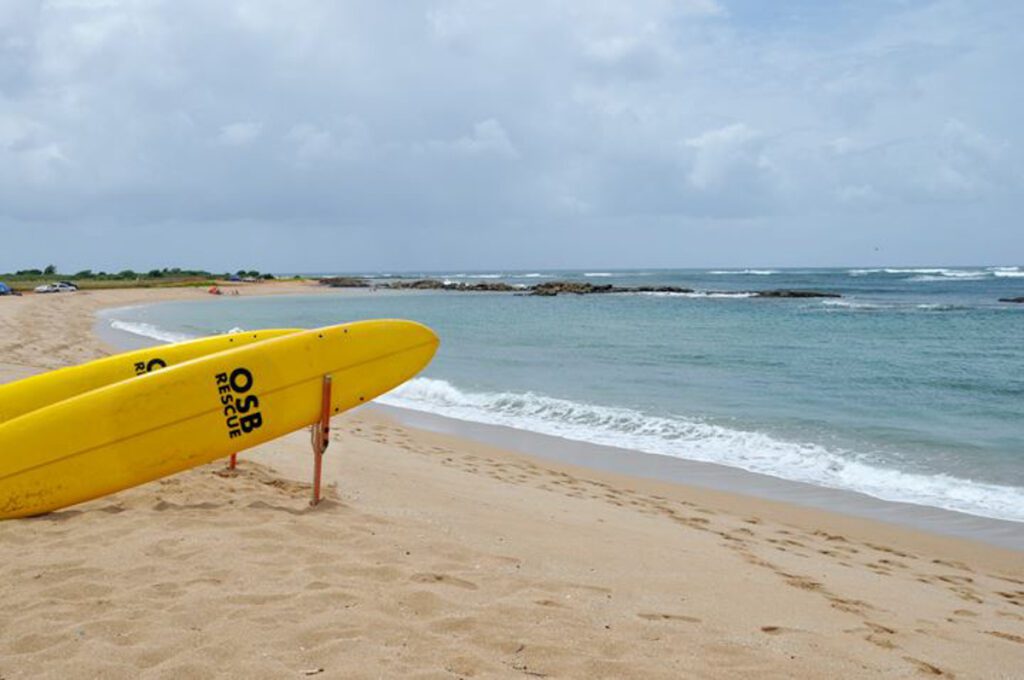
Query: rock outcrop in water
x=1018, y=300
x=434, y=284
x=553, y=288
x=344, y=282
x=783, y=293
x=550, y=288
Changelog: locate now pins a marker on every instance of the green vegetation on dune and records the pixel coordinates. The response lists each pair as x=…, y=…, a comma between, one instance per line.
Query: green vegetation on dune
x=28, y=279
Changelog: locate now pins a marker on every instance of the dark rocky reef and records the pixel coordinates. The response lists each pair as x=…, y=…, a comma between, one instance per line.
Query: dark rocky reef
x=344, y=282
x=1018, y=300
x=783, y=293
x=551, y=288
x=434, y=284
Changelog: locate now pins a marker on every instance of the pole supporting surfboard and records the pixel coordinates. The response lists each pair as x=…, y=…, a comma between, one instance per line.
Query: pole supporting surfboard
x=321, y=437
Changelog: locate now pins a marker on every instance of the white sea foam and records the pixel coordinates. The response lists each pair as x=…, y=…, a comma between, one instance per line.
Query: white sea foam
x=965, y=273
x=940, y=307
x=957, y=276
x=694, y=439
x=740, y=272
x=916, y=270
x=930, y=273
x=853, y=304
x=1008, y=273
x=534, y=275
x=598, y=274
x=147, y=330
x=699, y=294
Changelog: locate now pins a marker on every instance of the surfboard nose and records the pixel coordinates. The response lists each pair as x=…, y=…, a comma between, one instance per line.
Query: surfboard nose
x=412, y=340
x=425, y=334
x=411, y=333
x=424, y=341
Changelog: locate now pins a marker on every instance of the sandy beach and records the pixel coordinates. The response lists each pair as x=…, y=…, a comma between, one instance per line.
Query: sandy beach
x=440, y=557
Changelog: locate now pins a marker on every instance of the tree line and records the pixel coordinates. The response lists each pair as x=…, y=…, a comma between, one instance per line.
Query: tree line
x=130, y=274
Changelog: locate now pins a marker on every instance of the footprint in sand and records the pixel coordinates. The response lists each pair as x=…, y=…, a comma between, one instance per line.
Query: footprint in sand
x=1013, y=597
x=801, y=582
x=1019, y=639
x=924, y=666
x=668, y=617
x=778, y=630
x=444, y=579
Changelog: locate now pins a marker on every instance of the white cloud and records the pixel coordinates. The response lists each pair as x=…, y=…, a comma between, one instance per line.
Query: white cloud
x=488, y=138
x=861, y=194
x=240, y=133
x=343, y=139
x=310, y=141
x=709, y=8
x=448, y=23
x=721, y=152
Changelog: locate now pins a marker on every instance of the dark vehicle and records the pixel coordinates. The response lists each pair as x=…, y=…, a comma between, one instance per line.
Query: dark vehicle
x=5, y=289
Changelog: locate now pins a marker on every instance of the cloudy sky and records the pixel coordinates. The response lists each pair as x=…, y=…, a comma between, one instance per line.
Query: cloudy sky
x=301, y=135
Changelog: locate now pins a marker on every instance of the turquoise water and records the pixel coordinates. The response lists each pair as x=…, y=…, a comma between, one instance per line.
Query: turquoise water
x=909, y=388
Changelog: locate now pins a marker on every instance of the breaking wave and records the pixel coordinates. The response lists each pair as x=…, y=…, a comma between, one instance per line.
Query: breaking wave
x=741, y=272
x=694, y=439
x=147, y=330
x=933, y=274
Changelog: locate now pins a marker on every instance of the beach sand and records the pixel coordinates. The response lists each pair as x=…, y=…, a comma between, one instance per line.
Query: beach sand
x=438, y=557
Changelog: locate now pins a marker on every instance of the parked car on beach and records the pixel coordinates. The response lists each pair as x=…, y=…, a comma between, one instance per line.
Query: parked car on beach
x=5, y=289
x=59, y=287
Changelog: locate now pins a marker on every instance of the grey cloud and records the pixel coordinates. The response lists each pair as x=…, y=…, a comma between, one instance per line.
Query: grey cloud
x=457, y=125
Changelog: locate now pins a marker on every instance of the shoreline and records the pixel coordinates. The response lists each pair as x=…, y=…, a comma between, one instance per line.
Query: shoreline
x=694, y=475
x=660, y=468
x=438, y=556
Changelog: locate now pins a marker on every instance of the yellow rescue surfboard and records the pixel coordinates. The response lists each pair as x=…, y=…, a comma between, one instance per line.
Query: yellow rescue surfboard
x=135, y=431
x=26, y=395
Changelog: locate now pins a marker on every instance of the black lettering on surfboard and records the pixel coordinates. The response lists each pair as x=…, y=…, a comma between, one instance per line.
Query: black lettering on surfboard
x=240, y=409
x=144, y=367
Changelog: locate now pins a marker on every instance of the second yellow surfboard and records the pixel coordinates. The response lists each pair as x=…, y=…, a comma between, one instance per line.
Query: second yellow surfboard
x=29, y=394
x=139, y=430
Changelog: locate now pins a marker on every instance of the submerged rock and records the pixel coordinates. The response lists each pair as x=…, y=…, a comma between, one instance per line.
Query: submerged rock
x=550, y=288
x=1018, y=300
x=344, y=282
x=553, y=288
x=660, y=289
x=434, y=284
x=784, y=293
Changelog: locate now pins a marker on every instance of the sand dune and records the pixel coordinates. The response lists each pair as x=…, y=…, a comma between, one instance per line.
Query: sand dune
x=435, y=557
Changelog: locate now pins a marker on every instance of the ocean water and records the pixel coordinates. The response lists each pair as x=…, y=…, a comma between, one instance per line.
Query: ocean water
x=909, y=388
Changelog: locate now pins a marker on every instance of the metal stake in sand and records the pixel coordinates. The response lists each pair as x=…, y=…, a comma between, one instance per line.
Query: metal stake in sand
x=321, y=437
